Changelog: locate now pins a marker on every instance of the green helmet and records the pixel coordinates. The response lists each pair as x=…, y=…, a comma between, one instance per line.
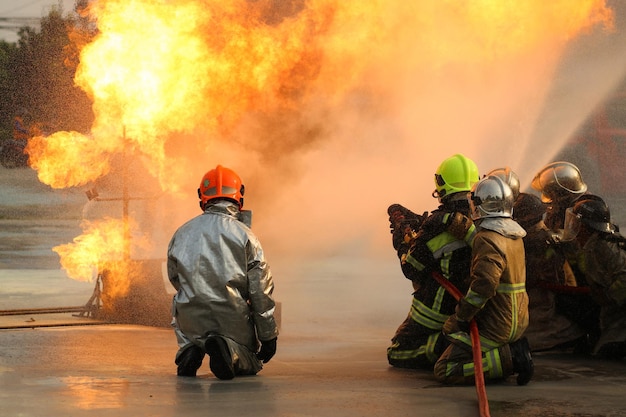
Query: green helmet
x=455, y=174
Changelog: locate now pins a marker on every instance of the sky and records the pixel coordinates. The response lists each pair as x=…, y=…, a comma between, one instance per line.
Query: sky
x=26, y=8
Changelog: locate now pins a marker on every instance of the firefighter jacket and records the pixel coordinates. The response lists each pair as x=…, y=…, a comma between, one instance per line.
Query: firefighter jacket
x=223, y=282
x=605, y=270
x=435, y=249
x=547, y=273
x=546, y=262
x=497, y=296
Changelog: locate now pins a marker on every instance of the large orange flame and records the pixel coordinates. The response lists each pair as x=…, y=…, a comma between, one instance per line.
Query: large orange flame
x=102, y=246
x=170, y=80
x=160, y=68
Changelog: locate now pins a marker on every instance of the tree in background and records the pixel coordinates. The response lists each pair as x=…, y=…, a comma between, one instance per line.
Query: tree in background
x=37, y=76
x=7, y=52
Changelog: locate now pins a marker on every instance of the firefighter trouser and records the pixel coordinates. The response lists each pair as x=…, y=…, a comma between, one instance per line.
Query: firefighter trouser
x=418, y=342
x=456, y=364
x=244, y=360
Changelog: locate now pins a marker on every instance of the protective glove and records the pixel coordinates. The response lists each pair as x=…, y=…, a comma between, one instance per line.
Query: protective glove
x=267, y=351
x=396, y=216
x=403, y=224
x=400, y=216
x=454, y=325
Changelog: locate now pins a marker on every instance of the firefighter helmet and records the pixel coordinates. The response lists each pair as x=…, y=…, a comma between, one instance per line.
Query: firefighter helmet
x=491, y=197
x=559, y=182
x=455, y=174
x=595, y=214
x=222, y=183
x=507, y=175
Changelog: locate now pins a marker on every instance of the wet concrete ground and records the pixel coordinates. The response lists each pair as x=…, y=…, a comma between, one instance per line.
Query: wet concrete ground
x=330, y=365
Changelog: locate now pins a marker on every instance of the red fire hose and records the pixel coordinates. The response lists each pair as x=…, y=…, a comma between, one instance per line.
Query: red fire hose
x=479, y=377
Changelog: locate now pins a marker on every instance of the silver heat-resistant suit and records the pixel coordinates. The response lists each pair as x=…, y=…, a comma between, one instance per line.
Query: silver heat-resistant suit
x=224, y=285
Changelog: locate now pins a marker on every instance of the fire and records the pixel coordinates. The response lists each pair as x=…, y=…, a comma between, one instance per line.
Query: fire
x=504, y=28
x=171, y=80
x=103, y=246
x=52, y=156
x=157, y=69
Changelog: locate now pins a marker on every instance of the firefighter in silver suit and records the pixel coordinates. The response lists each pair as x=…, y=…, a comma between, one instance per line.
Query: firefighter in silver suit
x=223, y=306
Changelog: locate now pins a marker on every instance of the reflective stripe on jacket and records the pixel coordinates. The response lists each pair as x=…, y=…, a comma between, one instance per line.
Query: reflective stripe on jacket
x=497, y=296
x=436, y=249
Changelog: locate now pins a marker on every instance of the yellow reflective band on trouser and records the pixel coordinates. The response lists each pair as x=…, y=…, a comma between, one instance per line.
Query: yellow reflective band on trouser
x=426, y=316
x=427, y=349
x=492, y=365
x=485, y=344
x=513, y=290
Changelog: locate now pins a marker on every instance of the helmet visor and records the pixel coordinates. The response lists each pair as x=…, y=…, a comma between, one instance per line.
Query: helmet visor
x=572, y=224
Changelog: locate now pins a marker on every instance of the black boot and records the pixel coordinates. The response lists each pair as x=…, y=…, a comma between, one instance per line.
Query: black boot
x=189, y=361
x=522, y=361
x=221, y=362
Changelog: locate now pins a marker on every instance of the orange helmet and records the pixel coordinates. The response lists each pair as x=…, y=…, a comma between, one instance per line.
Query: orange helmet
x=221, y=183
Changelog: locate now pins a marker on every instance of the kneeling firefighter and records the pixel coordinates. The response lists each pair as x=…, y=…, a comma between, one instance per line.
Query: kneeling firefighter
x=223, y=306
x=426, y=244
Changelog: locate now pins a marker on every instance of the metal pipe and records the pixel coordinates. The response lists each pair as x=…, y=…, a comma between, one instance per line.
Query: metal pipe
x=45, y=310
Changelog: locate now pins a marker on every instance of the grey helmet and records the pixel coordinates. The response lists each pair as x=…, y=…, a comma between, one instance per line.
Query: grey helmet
x=559, y=182
x=491, y=197
x=508, y=176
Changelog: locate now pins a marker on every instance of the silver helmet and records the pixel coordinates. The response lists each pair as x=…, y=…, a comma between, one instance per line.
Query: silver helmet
x=491, y=197
x=559, y=182
x=507, y=175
